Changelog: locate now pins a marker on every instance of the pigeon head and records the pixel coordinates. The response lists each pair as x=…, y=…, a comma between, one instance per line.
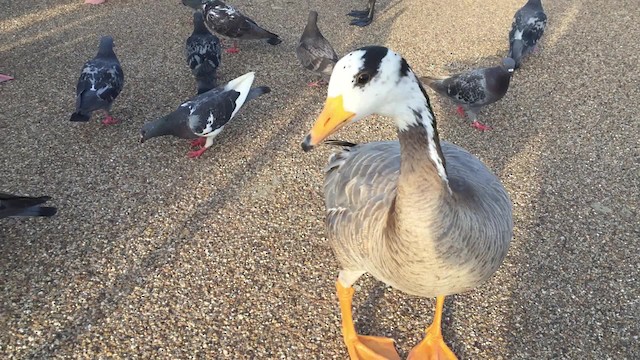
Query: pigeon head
x=149, y=130
x=313, y=17
x=312, y=24
x=508, y=64
x=106, y=47
x=198, y=23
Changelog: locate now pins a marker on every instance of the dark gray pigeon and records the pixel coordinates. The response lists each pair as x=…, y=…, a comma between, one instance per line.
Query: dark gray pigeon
x=203, y=54
x=229, y=22
x=527, y=28
x=363, y=17
x=13, y=205
x=474, y=89
x=100, y=82
x=203, y=117
x=314, y=51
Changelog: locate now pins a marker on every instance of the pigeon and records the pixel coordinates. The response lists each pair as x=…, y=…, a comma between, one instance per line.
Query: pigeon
x=13, y=205
x=314, y=51
x=100, y=82
x=528, y=26
x=363, y=17
x=474, y=89
x=229, y=22
x=203, y=54
x=203, y=117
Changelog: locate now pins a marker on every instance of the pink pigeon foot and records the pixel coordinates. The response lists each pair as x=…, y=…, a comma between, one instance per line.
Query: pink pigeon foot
x=318, y=83
x=198, y=142
x=109, y=120
x=196, y=153
x=477, y=125
x=94, y=2
x=460, y=111
x=233, y=50
x=4, y=78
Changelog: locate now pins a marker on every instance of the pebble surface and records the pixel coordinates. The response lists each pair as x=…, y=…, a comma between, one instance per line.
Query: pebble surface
x=154, y=255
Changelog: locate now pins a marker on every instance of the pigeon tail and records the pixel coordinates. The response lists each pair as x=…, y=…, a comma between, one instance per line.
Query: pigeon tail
x=258, y=91
x=79, y=117
x=38, y=211
x=194, y=4
x=275, y=40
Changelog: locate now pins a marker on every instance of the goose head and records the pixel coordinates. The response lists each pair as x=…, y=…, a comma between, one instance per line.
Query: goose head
x=370, y=80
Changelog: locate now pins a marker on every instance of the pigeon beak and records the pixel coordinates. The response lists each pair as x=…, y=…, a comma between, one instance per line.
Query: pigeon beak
x=332, y=118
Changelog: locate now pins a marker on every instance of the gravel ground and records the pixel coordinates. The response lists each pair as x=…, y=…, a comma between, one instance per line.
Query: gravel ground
x=156, y=255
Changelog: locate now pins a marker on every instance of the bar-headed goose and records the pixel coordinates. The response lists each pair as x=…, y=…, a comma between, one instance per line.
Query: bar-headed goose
x=423, y=216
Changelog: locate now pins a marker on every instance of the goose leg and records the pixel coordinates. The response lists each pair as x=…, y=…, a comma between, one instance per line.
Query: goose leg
x=361, y=347
x=432, y=347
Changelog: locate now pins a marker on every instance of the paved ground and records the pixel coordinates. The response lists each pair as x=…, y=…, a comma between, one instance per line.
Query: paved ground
x=159, y=256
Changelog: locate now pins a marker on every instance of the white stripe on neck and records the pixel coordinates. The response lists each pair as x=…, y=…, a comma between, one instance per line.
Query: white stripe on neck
x=409, y=119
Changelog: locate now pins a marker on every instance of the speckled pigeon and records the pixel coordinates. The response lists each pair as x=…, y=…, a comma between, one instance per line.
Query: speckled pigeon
x=528, y=26
x=203, y=54
x=203, y=117
x=101, y=80
x=474, y=89
x=229, y=22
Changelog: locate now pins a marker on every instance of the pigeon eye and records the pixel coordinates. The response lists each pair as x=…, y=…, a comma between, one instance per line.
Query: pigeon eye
x=362, y=78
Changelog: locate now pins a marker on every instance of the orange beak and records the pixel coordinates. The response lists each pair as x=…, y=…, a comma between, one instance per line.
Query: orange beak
x=331, y=119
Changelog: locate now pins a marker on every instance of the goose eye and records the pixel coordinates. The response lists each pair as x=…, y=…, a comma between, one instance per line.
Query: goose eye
x=362, y=78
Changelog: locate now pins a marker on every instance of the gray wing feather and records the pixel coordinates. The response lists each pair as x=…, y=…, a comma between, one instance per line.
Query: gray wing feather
x=360, y=191
x=319, y=60
x=100, y=82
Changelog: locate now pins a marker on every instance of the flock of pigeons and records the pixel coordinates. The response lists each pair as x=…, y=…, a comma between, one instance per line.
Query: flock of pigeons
x=205, y=115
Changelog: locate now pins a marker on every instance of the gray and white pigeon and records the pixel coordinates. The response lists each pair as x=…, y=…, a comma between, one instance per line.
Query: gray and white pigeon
x=363, y=17
x=14, y=205
x=203, y=117
x=528, y=27
x=314, y=52
x=101, y=80
x=229, y=22
x=203, y=54
x=474, y=89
